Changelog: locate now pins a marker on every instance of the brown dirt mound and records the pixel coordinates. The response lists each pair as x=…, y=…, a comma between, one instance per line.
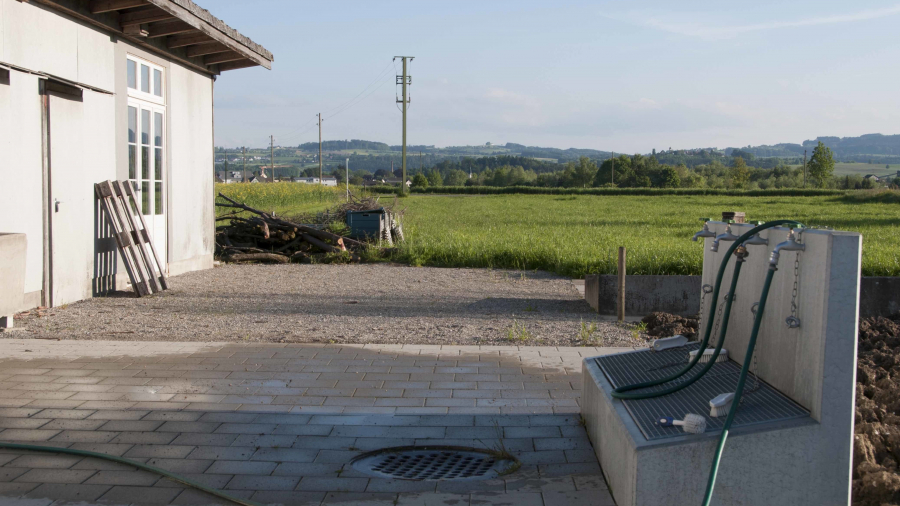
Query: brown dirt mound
x=876, y=451
x=667, y=325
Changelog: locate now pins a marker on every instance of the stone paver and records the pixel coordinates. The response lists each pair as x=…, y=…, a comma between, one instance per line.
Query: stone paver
x=280, y=423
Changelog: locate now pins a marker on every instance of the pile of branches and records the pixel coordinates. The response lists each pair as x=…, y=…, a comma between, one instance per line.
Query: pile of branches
x=264, y=237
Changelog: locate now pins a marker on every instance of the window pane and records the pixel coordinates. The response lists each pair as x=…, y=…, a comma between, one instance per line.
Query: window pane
x=132, y=74
x=145, y=78
x=145, y=126
x=145, y=162
x=157, y=83
x=132, y=163
x=157, y=163
x=157, y=129
x=145, y=197
x=132, y=124
x=157, y=198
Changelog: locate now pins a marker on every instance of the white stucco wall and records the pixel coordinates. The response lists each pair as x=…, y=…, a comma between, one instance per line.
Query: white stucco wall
x=75, y=51
x=191, y=241
x=21, y=169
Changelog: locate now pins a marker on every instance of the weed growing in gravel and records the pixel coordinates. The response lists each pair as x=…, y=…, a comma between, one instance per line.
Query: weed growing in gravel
x=636, y=330
x=587, y=332
x=518, y=333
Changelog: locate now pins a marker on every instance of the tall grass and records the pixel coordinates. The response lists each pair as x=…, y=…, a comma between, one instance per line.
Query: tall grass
x=538, y=190
x=578, y=235
x=284, y=198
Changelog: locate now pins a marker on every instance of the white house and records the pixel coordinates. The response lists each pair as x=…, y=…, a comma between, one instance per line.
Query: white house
x=92, y=90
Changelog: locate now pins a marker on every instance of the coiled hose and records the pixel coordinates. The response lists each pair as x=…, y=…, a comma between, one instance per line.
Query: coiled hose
x=622, y=392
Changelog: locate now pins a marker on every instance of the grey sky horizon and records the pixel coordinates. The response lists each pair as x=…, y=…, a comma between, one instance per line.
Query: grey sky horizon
x=610, y=75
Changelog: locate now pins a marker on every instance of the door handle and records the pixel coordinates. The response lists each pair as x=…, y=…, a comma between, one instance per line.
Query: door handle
x=56, y=203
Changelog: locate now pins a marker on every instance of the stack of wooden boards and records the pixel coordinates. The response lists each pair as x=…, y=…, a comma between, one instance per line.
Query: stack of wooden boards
x=136, y=248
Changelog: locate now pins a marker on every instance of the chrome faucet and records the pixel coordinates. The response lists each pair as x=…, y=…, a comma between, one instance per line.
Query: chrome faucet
x=727, y=236
x=706, y=232
x=790, y=244
x=755, y=239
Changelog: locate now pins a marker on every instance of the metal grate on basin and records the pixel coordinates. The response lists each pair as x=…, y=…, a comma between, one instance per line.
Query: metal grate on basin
x=760, y=402
x=430, y=464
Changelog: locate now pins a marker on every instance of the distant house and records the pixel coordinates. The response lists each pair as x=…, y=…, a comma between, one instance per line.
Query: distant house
x=109, y=90
x=229, y=176
x=327, y=181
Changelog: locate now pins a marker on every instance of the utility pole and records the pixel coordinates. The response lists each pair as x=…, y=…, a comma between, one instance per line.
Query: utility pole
x=405, y=80
x=320, y=148
x=347, y=180
x=244, y=161
x=272, y=157
x=804, y=168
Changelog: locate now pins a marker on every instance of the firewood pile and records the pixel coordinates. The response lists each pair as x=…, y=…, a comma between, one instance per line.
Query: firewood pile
x=264, y=237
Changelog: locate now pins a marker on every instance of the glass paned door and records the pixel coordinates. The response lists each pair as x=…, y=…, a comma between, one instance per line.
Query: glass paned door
x=146, y=166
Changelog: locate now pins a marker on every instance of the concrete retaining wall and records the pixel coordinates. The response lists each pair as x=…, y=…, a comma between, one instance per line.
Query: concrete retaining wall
x=644, y=294
x=879, y=296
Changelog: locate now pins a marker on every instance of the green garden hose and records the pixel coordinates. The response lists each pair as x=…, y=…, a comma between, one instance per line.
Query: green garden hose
x=162, y=472
x=620, y=392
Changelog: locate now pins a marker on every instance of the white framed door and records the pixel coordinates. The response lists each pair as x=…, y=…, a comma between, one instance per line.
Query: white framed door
x=147, y=167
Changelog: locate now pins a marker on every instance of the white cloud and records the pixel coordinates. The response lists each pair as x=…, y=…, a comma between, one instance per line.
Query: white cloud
x=691, y=28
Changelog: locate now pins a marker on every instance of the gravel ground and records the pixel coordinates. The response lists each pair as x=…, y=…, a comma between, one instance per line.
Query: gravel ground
x=374, y=303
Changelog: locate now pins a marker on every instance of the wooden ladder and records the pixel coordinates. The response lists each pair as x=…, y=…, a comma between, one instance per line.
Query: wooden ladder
x=144, y=269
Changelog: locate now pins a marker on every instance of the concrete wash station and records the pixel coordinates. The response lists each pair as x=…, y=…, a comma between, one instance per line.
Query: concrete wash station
x=793, y=434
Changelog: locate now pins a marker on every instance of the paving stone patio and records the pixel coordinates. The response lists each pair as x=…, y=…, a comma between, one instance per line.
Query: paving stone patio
x=279, y=423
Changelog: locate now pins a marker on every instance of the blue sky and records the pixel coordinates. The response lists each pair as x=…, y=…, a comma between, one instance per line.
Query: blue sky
x=627, y=76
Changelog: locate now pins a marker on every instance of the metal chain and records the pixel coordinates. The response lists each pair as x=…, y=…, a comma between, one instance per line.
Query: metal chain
x=704, y=291
x=792, y=321
x=718, y=321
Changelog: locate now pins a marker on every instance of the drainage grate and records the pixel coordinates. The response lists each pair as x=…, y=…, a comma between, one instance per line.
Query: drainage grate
x=430, y=464
x=760, y=405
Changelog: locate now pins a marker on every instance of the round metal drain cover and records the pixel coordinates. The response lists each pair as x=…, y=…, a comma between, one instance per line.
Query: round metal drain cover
x=433, y=463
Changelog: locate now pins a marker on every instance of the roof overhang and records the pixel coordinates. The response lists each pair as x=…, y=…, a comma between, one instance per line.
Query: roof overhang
x=179, y=29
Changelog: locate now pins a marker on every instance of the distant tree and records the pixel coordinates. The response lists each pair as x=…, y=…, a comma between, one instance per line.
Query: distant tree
x=435, y=179
x=821, y=164
x=670, y=178
x=584, y=171
x=740, y=174
x=420, y=181
x=380, y=173
x=456, y=177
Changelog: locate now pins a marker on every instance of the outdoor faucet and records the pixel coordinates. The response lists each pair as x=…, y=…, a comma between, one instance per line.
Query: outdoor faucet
x=790, y=244
x=755, y=239
x=706, y=232
x=727, y=236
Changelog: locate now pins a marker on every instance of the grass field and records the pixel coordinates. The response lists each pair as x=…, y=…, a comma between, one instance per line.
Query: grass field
x=285, y=199
x=574, y=235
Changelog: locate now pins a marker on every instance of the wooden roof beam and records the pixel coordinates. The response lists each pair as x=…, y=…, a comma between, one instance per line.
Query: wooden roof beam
x=141, y=17
x=223, y=57
x=234, y=65
x=206, y=48
x=173, y=27
x=188, y=39
x=101, y=6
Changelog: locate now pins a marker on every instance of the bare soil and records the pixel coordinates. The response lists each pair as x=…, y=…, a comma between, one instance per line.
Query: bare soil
x=876, y=451
x=359, y=303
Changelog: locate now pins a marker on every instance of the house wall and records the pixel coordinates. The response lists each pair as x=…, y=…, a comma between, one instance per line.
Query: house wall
x=191, y=242
x=39, y=39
